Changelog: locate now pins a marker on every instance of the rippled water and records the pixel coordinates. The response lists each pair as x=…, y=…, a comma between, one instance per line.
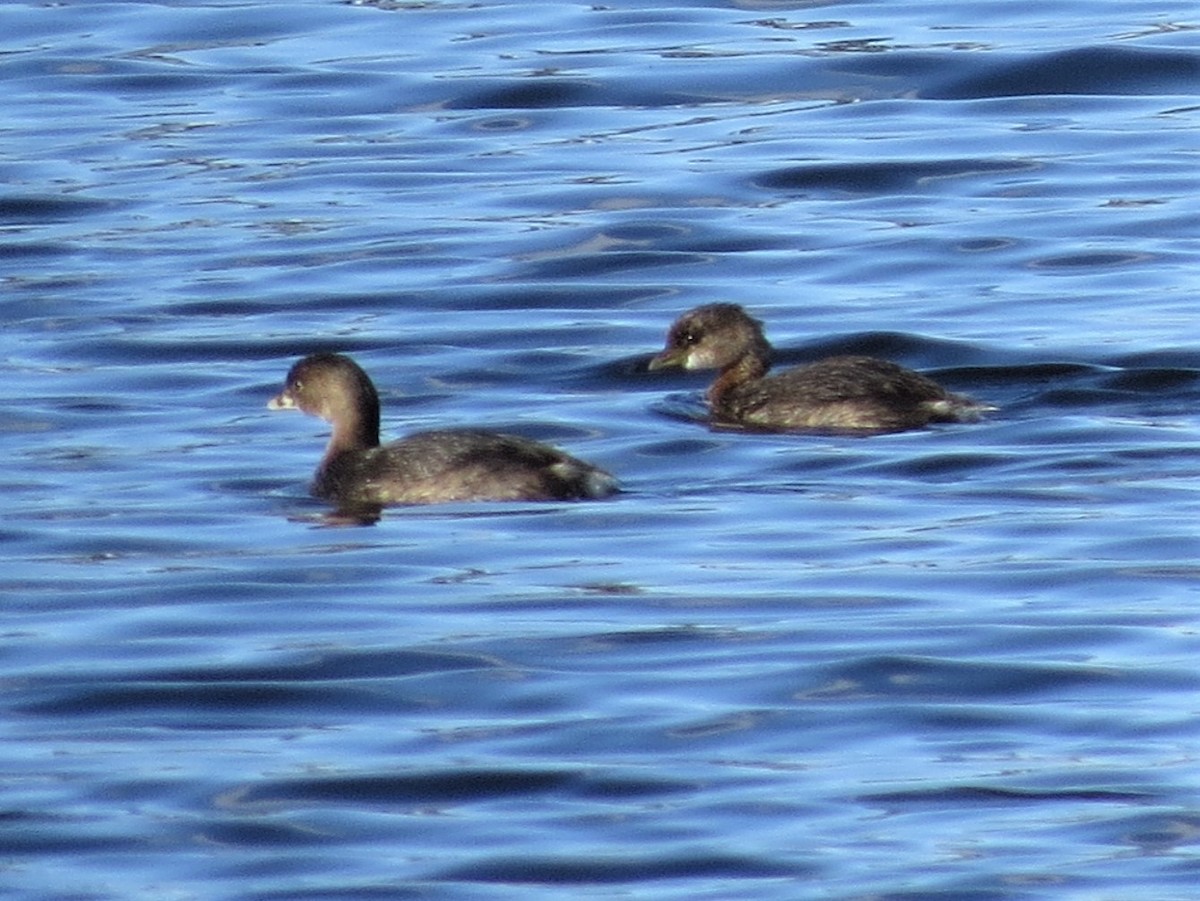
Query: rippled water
x=958, y=663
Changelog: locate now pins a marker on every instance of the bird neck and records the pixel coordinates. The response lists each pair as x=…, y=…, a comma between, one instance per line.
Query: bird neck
x=747, y=368
x=356, y=429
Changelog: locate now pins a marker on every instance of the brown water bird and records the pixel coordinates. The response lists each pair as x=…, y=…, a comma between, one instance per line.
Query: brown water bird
x=847, y=393
x=426, y=467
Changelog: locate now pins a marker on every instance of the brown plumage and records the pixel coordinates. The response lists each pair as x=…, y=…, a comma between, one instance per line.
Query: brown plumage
x=426, y=467
x=861, y=394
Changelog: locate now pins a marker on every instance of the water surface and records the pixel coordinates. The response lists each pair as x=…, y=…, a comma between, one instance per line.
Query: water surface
x=958, y=662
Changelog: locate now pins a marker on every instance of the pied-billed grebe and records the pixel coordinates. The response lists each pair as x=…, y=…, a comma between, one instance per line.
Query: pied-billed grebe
x=859, y=394
x=427, y=467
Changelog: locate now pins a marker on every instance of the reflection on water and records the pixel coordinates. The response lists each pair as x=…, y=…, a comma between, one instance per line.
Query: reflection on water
x=952, y=661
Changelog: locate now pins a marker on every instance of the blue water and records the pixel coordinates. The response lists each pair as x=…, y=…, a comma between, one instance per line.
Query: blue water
x=955, y=663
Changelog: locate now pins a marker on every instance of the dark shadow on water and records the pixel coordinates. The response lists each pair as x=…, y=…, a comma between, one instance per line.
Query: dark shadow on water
x=886, y=177
x=1086, y=70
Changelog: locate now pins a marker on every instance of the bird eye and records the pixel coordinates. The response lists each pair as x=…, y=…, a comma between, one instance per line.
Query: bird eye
x=690, y=338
